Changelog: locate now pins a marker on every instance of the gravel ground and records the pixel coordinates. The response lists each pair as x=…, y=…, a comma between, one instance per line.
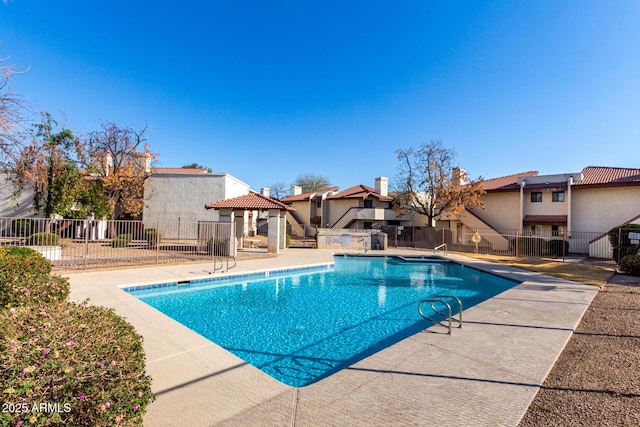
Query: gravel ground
x=596, y=379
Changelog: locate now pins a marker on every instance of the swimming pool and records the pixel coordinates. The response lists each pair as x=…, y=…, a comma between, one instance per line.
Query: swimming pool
x=301, y=326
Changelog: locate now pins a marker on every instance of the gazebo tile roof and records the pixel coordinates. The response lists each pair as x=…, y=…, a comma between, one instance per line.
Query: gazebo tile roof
x=250, y=202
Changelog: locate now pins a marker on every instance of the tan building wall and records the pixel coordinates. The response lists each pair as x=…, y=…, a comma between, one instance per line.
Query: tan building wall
x=337, y=208
x=546, y=207
x=501, y=210
x=592, y=209
x=600, y=209
x=302, y=212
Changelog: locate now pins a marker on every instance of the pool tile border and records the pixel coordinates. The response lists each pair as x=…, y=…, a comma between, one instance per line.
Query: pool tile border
x=264, y=274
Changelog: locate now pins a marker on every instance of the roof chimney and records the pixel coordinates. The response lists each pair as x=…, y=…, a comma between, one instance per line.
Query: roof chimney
x=265, y=191
x=382, y=186
x=459, y=176
x=296, y=190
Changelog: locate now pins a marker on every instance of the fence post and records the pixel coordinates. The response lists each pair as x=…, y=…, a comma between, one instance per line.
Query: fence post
x=413, y=236
x=86, y=242
x=517, y=241
x=156, y=237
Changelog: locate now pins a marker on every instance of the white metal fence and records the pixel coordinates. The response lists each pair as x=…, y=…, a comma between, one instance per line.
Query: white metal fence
x=87, y=243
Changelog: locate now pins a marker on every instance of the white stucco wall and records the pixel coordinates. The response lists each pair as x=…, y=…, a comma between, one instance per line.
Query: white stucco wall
x=168, y=197
x=10, y=207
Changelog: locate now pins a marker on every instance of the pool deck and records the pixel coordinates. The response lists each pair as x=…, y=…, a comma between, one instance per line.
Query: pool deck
x=485, y=374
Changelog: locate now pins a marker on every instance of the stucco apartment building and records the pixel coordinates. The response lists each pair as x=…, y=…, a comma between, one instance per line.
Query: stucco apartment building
x=357, y=207
x=180, y=195
x=554, y=206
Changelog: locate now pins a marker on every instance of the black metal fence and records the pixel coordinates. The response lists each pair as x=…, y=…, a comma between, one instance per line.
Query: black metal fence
x=89, y=243
x=593, y=245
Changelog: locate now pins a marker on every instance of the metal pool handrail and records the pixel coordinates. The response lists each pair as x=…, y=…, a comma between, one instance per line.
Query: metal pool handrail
x=444, y=245
x=449, y=316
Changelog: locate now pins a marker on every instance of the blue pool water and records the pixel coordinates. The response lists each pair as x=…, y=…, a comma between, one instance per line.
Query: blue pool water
x=302, y=326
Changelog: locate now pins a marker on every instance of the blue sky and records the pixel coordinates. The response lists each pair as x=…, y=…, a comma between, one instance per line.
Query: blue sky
x=266, y=91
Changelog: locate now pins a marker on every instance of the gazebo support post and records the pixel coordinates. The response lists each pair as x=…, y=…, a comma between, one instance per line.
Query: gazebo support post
x=273, y=238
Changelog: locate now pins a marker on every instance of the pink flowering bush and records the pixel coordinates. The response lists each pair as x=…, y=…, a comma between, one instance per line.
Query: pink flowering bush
x=25, y=278
x=85, y=362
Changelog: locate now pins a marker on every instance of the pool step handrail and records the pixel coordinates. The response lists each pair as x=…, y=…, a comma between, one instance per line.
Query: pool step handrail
x=440, y=299
x=216, y=268
x=457, y=300
x=234, y=262
x=444, y=245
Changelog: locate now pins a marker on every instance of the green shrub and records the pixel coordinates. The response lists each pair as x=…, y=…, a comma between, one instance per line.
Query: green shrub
x=630, y=264
x=620, y=242
x=558, y=247
x=21, y=227
x=43, y=239
x=152, y=236
x=25, y=278
x=287, y=240
x=86, y=360
x=529, y=246
x=122, y=241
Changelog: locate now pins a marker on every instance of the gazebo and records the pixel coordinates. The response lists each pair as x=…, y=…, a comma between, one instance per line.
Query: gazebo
x=277, y=225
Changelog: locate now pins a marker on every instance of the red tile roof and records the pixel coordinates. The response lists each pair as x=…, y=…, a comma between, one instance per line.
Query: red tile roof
x=305, y=196
x=545, y=220
x=251, y=202
x=505, y=183
x=179, y=170
x=359, y=192
x=609, y=176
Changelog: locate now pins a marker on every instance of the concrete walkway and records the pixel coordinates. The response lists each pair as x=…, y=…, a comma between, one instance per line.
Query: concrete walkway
x=485, y=374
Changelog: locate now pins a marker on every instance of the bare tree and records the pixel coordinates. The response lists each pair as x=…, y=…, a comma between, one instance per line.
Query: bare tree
x=311, y=182
x=12, y=115
x=278, y=190
x=121, y=159
x=428, y=182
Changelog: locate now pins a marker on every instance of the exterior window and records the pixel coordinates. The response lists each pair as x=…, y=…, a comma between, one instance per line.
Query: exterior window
x=534, y=230
x=536, y=197
x=557, y=196
x=368, y=203
x=557, y=230
x=367, y=225
x=319, y=204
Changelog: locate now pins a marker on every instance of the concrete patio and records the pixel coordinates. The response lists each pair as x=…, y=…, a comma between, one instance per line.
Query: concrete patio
x=484, y=374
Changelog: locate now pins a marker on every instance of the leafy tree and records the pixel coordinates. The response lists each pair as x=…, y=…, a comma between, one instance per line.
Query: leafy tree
x=197, y=166
x=42, y=163
x=311, y=182
x=428, y=182
x=120, y=158
x=48, y=166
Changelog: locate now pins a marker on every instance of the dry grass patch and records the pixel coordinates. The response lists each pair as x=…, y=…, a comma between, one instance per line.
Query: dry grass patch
x=589, y=274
